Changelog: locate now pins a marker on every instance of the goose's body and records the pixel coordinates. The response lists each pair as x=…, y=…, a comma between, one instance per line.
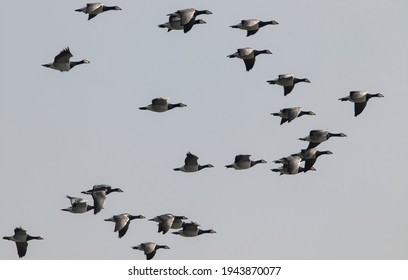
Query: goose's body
x=122, y=222
x=318, y=136
x=94, y=9
x=191, y=230
x=167, y=221
x=252, y=25
x=175, y=24
x=288, y=81
x=62, y=63
x=291, y=165
x=285, y=170
x=309, y=156
x=149, y=249
x=99, y=193
x=289, y=114
x=191, y=164
x=21, y=239
x=360, y=99
x=248, y=56
x=188, y=17
x=78, y=205
x=243, y=162
x=160, y=105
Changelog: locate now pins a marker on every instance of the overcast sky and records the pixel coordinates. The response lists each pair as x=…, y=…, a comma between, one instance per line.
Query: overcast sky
x=62, y=133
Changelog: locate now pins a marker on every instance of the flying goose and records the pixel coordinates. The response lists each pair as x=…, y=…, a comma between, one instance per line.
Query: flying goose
x=318, y=136
x=252, y=25
x=248, y=55
x=288, y=81
x=62, y=63
x=167, y=221
x=289, y=114
x=149, y=249
x=122, y=222
x=99, y=193
x=21, y=239
x=94, y=9
x=161, y=104
x=78, y=205
x=191, y=164
x=360, y=99
x=291, y=165
x=309, y=156
x=175, y=23
x=243, y=162
x=188, y=17
x=284, y=170
x=191, y=230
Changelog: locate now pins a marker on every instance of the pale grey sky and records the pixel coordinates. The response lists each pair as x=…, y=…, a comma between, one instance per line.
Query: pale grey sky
x=62, y=133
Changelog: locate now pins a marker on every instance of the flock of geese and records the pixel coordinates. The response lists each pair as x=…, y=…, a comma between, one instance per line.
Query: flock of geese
x=185, y=20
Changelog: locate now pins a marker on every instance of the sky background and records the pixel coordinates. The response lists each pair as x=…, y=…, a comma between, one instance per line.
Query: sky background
x=62, y=133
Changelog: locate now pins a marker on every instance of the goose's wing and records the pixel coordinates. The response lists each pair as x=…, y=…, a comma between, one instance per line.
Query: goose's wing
x=288, y=89
x=150, y=255
x=251, y=32
x=121, y=221
x=309, y=164
x=242, y=158
x=187, y=15
x=191, y=159
x=165, y=223
x=99, y=198
x=358, y=108
x=21, y=248
x=92, y=7
x=123, y=231
x=190, y=226
x=19, y=233
x=160, y=101
x=63, y=56
x=249, y=63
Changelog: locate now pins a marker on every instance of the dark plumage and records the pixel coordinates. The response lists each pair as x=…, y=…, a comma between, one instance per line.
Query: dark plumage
x=289, y=114
x=94, y=9
x=122, y=222
x=99, y=193
x=360, y=99
x=288, y=81
x=253, y=25
x=21, y=239
x=149, y=249
x=62, y=63
x=191, y=164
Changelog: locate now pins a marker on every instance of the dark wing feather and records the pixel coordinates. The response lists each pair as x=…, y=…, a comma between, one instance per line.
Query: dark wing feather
x=358, y=108
x=21, y=248
x=63, y=56
x=123, y=231
x=283, y=120
x=150, y=255
x=191, y=159
x=249, y=63
x=99, y=198
x=91, y=16
x=312, y=145
x=251, y=32
x=309, y=164
x=287, y=89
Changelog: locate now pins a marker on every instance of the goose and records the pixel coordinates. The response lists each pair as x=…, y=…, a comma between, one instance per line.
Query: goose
x=288, y=81
x=78, y=205
x=175, y=24
x=284, y=170
x=289, y=114
x=309, y=156
x=191, y=230
x=99, y=193
x=62, y=63
x=191, y=164
x=21, y=239
x=161, y=104
x=167, y=221
x=318, y=136
x=291, y=165
x=360, y=99
x=122, y=222
x=188, y=17
x=248, y=55
x=94, y=9
x=252, y=25
x=243, y=162
x=149, y=249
